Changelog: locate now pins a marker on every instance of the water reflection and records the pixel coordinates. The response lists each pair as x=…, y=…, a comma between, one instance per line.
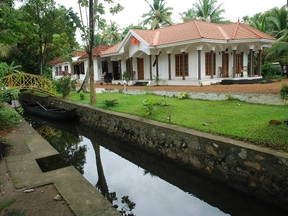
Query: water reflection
x=66, y=143
x=126, y=205
x=138, y=183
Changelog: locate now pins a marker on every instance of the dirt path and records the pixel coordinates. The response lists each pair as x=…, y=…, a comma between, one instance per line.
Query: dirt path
x=269, y=88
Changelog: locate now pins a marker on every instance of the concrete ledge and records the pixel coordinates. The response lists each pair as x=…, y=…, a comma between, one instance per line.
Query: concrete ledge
x=79, y=194
x=258, y=171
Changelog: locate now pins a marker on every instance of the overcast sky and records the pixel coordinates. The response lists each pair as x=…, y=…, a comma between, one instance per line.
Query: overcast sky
x=133, y=9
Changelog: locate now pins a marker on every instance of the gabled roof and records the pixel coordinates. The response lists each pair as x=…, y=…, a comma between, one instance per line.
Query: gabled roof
x=112, y=49
x=200, y=29
x=96, y=51
x=195, y=30
x=60, y=60
x=82, y=54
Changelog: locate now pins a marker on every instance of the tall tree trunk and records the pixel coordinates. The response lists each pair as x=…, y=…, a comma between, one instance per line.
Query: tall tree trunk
x=41, y=58
x=90, y=51
x=84, y=85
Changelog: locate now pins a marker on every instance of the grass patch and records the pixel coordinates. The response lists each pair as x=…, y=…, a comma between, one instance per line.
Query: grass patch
x=6, y=204
x=240, y=120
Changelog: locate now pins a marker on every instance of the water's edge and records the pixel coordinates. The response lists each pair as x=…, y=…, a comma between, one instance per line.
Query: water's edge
x=254, y=170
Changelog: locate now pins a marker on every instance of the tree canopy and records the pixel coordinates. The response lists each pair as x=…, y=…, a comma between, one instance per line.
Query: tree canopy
x=159, y=14
x=206, y=10
x=274, y=22
x=36, y=33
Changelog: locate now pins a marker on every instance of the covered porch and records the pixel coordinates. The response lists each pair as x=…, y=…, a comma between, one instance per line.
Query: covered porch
x=194, y=64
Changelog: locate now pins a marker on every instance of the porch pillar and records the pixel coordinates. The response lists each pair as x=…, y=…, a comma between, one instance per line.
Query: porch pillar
x=251, y=62
x=212, y=64
x=259, y=66
x=169, y=65
x=223, y=64
x=113, y=72
x=132, y=69
x=234, y=63
x=199, y=64
x=120, y=68
x=150, y=66
x=183, y=66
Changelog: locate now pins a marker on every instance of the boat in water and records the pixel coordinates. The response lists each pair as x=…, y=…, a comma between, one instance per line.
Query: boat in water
x=47, y=112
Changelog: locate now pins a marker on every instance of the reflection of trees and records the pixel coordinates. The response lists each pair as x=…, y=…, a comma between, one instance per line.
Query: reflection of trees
x=101, y=185
x=67, y=145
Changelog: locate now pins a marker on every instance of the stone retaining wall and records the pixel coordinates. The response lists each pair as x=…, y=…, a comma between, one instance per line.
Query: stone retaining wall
x=252, y=169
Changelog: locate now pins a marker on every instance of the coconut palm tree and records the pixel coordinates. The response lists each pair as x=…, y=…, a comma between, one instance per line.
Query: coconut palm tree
x=278, y=21
x=159, y=15
x=111, y=34
x=258, y=21
x=206, y=10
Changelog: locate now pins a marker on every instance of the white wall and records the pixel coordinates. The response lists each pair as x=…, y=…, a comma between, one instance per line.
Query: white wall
x=192, y=61
x=63, y=67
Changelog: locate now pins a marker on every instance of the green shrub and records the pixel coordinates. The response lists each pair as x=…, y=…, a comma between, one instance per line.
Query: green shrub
x=231, y=98
x=264, y=81
x=8, y=117
x=148, y=106
x=110, y=103
x=73, y=85
x=8, y=94
x=82, y=96
x=183, y=95
x=284, y=92
x=161, y=103
x=63, y=86
x=126, y=76
x=47, y=72
x=6, y=69
x=271, y=71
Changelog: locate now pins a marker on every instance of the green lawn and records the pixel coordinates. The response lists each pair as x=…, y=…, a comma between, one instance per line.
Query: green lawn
x=236, y=119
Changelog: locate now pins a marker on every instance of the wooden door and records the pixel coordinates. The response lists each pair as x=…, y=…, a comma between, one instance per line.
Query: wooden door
x=140, y=67
x=225, y=65
x=239, y=63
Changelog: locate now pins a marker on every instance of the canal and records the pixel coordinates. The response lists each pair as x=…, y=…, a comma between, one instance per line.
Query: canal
x=139, y=183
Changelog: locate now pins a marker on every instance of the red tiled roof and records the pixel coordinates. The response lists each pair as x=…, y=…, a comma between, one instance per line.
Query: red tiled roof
x=196, y=30
x=200, y=29
x=60, y=60
x=96, y=51
x=78, y=53
x=55, y=61
x=111, y=49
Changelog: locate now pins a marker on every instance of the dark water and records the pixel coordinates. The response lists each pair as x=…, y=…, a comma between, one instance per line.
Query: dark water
x=138, y=183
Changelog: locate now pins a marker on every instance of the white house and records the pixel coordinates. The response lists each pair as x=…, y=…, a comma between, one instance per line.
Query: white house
x=192, y=53
x=77, y=68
